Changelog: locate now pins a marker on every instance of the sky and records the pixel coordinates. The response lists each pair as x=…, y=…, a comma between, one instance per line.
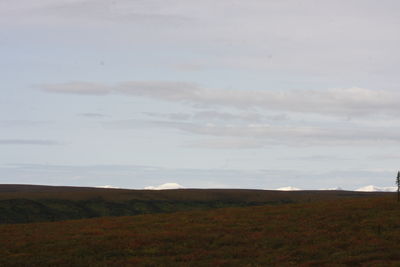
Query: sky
x=206, y=94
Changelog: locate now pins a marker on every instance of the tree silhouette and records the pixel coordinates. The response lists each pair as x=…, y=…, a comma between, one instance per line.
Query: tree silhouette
x=398, y=186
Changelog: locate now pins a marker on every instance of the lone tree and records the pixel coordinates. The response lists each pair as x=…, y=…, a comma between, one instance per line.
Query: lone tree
x=398, y=186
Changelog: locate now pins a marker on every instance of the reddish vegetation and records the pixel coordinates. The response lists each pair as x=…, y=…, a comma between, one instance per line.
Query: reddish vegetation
x=344, y=232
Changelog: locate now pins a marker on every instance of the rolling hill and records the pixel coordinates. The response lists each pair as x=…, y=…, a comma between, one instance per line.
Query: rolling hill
x=33, y=203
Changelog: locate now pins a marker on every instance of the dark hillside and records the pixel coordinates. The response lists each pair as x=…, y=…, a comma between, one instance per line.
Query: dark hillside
x=8, y=191
x=31, y=203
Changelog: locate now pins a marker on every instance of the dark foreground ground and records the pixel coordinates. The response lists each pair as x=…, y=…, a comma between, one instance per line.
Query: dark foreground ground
x=358, y=231
x=30, y=203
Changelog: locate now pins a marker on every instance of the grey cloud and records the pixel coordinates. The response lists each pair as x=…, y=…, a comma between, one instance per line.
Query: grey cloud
x=318, y=158
x=164, y=90
x=385, y=157
x=225, y=116
x=190, y=67
x=28, y=142
x=92, y=115
x=228, y=143
x=23, y=123
x=338, y=101
x=213, y=115
x=296, y=135
x=98, y=11
x=172, y=116
x=111, y=11
x=261, y=135
x=82, y=88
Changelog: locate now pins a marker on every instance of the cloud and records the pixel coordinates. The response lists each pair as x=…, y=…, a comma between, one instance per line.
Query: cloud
x=214, y=115
x=352, y=101
x=92, y=115
x=385, y=157
x=190, y=67
x=260, y=135
x=99, y=11
x=83, y=88
x=121, y=11
x=23, y=123
x=228, y=143
x=165, y=186
x=28, y=142
x=329, y=158
x=178, y=116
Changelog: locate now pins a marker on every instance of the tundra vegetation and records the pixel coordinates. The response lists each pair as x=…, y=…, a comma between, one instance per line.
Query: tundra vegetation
x=27, y=203
x=315, y=229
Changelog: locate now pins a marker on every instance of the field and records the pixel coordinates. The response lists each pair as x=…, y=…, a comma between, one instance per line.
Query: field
x=330, y=231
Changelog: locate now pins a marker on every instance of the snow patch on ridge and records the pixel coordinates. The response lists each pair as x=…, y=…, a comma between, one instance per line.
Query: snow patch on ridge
x=108, y=186
x=165, y=186
x=288, y=188
x=373, y=188
x=337, y=188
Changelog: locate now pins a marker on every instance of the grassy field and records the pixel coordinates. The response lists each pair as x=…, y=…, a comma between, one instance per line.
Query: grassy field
x=27, y=203
x=341, y=232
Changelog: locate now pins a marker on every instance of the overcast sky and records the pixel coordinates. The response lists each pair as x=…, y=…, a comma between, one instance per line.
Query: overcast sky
x=228, y=94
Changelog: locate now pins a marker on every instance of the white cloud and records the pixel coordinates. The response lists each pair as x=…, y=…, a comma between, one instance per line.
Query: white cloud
x=165, y=186
x=265, y=134
x=352, y=101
